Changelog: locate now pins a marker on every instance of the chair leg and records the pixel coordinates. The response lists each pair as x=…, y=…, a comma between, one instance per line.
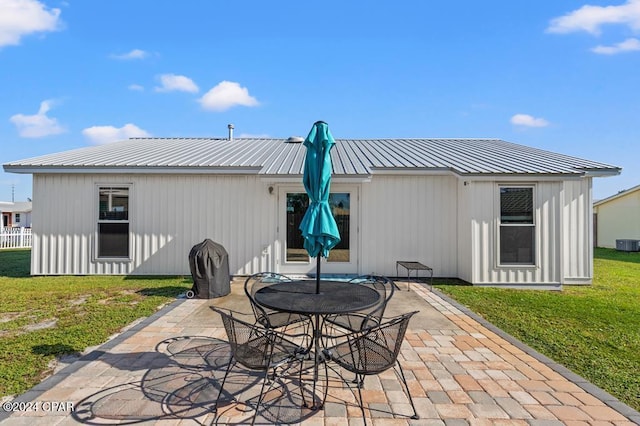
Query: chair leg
x=326, y=383
x=364, y=418
x=224, y=379
x=304, y=400
x=264, y=382
x=406, y=387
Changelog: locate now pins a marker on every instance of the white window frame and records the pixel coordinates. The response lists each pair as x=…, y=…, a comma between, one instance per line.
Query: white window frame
x=533, y=224
x=98, y=221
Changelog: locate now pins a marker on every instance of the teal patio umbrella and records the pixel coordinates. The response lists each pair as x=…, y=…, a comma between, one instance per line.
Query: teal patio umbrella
x=319, y=228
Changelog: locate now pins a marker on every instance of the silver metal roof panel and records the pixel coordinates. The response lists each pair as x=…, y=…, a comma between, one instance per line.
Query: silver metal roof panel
x=276, y=157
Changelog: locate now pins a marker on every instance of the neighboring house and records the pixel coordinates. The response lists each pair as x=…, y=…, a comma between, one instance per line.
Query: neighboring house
x=16, y=215
x=617, y=218
x=484, y=210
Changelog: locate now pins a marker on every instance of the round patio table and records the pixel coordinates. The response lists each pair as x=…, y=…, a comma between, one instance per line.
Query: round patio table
x=300, y=297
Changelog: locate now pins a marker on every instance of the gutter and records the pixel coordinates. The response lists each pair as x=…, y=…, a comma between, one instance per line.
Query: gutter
x=199, y=170
x=602, y=172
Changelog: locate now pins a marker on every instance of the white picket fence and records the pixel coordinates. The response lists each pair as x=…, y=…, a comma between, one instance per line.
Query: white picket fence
x=15, y=237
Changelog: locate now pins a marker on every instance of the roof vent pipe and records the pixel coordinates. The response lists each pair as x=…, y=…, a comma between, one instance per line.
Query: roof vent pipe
x=230, y=127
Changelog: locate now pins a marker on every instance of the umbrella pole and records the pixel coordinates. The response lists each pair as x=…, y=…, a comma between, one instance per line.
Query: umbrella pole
x=318, y=274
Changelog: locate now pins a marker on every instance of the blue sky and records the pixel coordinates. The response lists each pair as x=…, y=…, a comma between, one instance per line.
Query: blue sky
x=556, y=75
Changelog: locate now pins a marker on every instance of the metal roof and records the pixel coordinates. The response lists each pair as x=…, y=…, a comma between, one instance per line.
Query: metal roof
x=18, y=207
x=277, y=157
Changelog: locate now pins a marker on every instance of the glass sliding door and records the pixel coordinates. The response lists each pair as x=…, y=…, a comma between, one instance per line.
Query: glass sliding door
x=294, y=258
x=340, y=203
x=297, y=204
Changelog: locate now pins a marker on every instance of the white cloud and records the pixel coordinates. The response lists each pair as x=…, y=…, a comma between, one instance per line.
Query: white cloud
x=528, y=121
x=628, y=45
x=19, y=18
x=100, y=135
x=136, y=87
x=225, y=95
x=39, y=124
x=134, y=54
x=176, y=83
x=590, y=18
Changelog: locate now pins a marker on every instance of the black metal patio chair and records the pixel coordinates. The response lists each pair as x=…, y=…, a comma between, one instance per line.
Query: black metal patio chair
x=371, y=351
x=356, y=321
x=270, y=318
x=257, y=348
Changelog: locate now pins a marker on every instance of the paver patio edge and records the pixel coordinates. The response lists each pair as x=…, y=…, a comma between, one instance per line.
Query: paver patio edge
x=129, y=330
x=587, y=386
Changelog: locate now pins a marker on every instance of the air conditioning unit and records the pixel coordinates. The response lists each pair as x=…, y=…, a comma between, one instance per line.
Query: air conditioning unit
x=628, y=245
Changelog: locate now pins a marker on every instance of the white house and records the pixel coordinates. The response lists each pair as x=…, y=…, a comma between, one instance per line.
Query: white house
x=484, y=210
x=618, y=217
x=16, y=214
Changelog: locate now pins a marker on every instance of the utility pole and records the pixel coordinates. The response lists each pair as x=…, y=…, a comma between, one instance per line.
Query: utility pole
x=13, y=192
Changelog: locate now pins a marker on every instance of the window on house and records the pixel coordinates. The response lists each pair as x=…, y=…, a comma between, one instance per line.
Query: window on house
x=517, y=226
x=17, y=217
x=113, y=222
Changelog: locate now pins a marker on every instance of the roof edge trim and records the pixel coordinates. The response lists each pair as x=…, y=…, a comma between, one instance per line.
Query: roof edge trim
x=220, y=170
x=297, y=179
x=602, y=172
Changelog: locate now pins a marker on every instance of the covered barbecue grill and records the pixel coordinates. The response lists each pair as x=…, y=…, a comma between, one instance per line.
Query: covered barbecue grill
x=209, y=263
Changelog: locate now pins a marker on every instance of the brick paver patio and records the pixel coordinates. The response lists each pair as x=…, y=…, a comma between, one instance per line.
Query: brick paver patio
x=461, y=371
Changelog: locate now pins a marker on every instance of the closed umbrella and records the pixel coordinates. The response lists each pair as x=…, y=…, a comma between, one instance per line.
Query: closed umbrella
x=319, y=228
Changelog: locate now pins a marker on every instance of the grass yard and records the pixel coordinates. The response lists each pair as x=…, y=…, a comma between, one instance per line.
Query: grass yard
x=592, y=330
x=44, y=317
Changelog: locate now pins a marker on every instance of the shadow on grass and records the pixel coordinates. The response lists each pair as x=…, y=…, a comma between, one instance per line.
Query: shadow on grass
x=15, y=263
x=172, y=290
x=56, y=349
x=185, y=279
x=166, y=291
x=450, y=282
x=169, y=291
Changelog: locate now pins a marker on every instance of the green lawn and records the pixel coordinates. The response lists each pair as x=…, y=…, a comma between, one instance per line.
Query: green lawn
x=592, y=330
x=43, y=317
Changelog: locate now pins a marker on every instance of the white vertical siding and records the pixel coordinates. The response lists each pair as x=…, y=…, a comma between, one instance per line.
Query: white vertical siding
x=409, y=218
x=548, y=204
x=483, y=222
x=467, y=245
x=577, y=232
x=168, y=215
x=63, y=231
x=437, y=220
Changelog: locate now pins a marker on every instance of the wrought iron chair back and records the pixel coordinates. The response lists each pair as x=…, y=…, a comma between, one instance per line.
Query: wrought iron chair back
x=269, y=318
x=370, y=316
x=373, y=350
x=255, y=348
